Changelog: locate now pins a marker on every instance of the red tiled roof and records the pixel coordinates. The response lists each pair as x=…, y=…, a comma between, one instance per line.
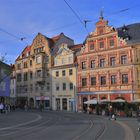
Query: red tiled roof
x=26, y=49
x=76, y=47
x=56, y=38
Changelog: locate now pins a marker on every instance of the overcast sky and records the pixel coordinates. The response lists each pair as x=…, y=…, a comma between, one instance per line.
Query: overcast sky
x=25, y=18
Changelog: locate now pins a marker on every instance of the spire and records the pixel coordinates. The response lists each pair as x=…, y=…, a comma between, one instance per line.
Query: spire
x=101, y=15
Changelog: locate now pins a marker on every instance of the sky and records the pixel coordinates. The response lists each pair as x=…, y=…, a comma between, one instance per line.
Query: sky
x=25, y=18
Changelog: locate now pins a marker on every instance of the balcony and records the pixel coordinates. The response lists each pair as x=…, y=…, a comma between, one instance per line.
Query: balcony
x=40, y=80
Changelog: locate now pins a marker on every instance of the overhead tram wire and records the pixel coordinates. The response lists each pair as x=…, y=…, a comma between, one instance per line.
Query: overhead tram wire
x=76, y=15
x=14, y=36
x=117, y=12
x=125, y=9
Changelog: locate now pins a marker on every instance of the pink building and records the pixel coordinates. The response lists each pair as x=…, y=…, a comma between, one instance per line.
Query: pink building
x=109, y=64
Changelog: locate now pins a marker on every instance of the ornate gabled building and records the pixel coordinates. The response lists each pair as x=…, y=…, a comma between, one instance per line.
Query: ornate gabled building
x=33, y=79
x=109, y=64
x=64, y=81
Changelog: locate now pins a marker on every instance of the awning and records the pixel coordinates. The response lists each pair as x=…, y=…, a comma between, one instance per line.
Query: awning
x=118, y=101
x=136, y=101
x=107, y=92
x=104, y=101
x=93, y=101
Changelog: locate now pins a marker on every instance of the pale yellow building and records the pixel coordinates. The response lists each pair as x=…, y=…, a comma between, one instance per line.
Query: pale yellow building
x=64, y=80
x=32, y=67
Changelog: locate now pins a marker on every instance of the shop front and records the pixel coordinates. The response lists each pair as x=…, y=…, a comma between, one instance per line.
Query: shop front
x=43, y=100
x=64, y=102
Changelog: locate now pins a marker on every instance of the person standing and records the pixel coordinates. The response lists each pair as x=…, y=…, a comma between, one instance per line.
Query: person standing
x=138, y=117
x=1, y=108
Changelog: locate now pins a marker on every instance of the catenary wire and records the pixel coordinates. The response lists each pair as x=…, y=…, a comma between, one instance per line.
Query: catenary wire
x=76, y=15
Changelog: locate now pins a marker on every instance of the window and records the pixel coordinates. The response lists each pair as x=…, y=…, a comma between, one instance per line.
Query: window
x=64, y=86
x=70, y=59
x=31, y=75
x=31, y=87
x=111, y=42
x=71, y=86
x=112, y=61
x=70, y=71
x=84, y=82
x=103, y=80
x=18, y=66
x=101, y=44
x=93, y=81
x=55, y=62
x=38, y=59
x=39, y=73
x=47, y=72
x=93, y=63
x=30, y=62
x=25, y=76
x=46, y=59
x=41, y=87
x=25, y=88
x=92, y=46
x=125, y=79
x=113, y=79
x=63, y=73
x=84, y=65
x=57, y=73
x=36, y=87
x=19, y=77
x=57, y=87
x=25, y=65
x=101, y=31
x=38, y=50
x=123, y=59
x=63, y=60
x=102, y=62
x=48, y=86
x=2, y=86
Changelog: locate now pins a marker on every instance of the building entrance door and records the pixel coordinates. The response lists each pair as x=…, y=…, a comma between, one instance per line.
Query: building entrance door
x=57, y=104
x=64, y=103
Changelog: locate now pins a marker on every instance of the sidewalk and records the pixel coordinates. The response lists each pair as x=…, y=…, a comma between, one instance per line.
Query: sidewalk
x=131, y=123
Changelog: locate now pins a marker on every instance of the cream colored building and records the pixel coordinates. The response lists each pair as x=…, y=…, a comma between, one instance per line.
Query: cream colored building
x=33, y=78
x=64, y=80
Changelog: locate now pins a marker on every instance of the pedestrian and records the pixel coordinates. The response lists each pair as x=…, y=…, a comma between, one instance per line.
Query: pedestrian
x=41, y=107
x=138, y=118
x=113, y=117
x=1, y=108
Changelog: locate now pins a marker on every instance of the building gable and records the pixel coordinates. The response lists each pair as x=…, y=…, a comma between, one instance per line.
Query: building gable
x=64, y=56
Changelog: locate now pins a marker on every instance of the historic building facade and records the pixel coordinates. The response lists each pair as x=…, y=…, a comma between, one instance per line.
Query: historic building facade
x=13, y=86
x=64, y=78
x=108, y=64
x=5, y=71
x=32, y=67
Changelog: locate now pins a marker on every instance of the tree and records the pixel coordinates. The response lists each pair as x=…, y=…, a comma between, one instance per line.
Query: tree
x=3, y=57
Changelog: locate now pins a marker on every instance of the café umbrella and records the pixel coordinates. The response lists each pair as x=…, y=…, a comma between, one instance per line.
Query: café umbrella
x=136, y=101
x=118, y=101
x=93, y=101
x=104, y=101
